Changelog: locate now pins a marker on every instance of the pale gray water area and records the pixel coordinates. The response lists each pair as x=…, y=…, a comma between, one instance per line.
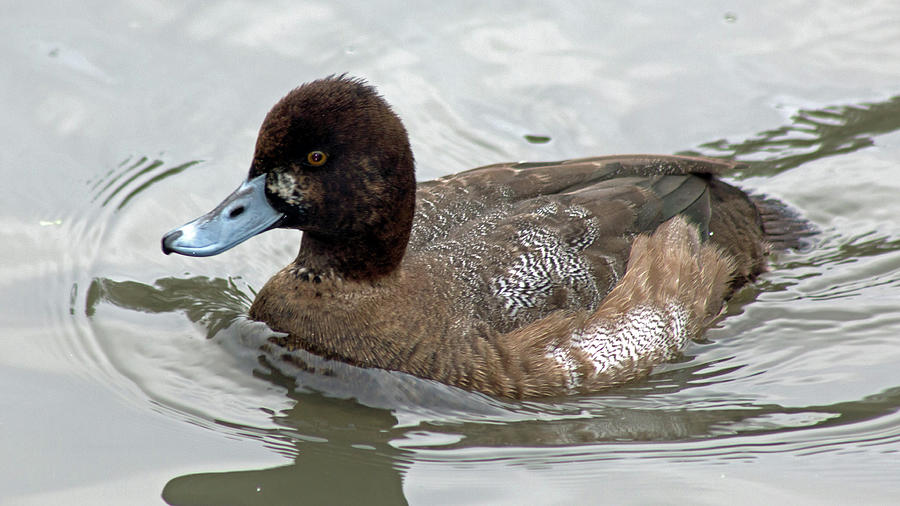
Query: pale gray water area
x=130, y=377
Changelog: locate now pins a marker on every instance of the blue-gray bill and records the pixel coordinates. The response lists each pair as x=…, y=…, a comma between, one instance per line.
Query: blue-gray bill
x=243, y=214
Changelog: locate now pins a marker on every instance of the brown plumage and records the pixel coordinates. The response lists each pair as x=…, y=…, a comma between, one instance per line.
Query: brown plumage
x=517, y=280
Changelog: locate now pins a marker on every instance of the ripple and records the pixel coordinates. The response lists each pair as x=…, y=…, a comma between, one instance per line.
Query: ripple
x=185, y=344
x=141, y=171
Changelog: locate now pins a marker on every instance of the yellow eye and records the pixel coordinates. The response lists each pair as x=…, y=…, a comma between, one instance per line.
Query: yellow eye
x=316, y=158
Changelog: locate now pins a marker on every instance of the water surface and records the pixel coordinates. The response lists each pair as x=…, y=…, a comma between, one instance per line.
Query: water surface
x=129, y=377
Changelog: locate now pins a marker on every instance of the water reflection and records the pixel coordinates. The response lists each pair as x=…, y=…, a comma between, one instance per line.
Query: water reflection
x=359, y=448
x=867, y=244
x=213, y=303
x=814, y=134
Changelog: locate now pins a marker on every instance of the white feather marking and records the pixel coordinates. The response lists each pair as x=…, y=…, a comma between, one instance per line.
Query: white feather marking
x=644, y=331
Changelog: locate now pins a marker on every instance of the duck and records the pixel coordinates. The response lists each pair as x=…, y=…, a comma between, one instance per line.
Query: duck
x=516, y=280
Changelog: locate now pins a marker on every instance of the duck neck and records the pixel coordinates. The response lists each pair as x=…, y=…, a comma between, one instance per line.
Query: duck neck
x=362, y=256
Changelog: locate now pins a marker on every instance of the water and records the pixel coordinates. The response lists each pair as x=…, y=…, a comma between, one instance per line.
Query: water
x=128, y=376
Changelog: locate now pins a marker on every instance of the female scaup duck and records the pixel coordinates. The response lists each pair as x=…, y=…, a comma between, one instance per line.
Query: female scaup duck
x=517, y=280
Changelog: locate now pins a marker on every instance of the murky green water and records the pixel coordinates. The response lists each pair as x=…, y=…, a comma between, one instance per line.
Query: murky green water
x=127, y=376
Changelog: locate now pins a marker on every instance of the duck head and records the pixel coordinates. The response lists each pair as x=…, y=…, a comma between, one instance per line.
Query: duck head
x=333, y=160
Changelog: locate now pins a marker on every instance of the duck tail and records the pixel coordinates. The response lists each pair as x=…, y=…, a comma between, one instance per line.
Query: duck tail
x=783, y=226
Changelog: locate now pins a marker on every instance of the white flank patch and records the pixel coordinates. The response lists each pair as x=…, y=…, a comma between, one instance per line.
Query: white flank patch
x=644, y=331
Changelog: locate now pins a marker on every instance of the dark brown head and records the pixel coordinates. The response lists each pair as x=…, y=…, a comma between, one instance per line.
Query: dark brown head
x=332, y=159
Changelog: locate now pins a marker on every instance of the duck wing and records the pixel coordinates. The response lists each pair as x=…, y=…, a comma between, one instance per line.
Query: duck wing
x=525, y=240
